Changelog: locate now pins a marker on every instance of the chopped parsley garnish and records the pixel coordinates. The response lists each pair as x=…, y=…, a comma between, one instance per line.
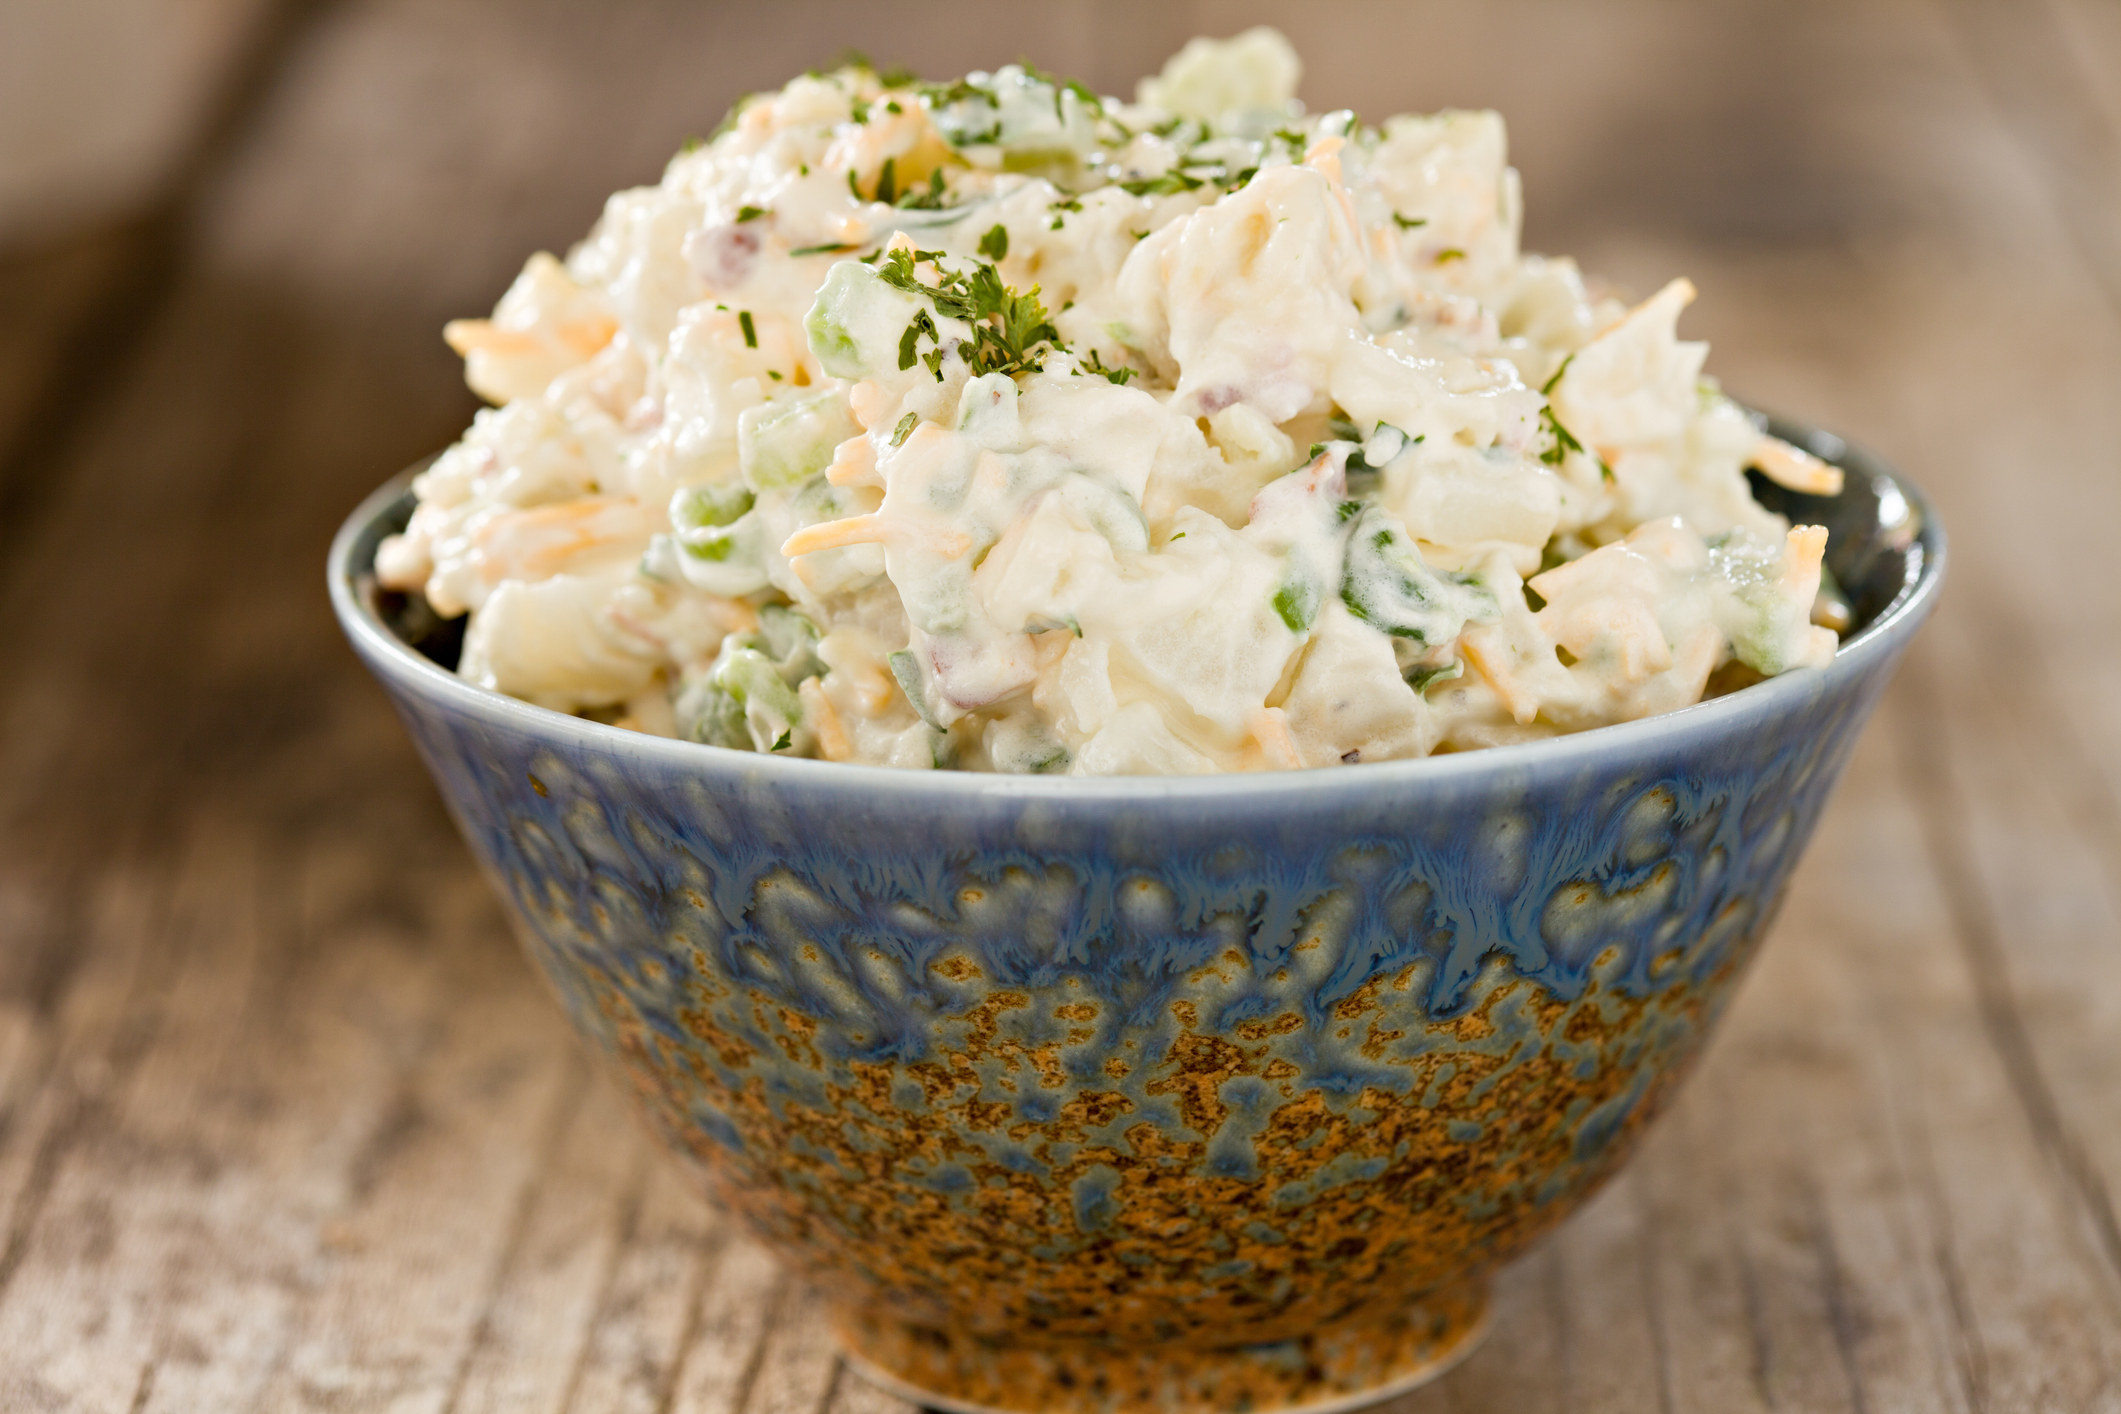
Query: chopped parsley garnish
x=995, y=244
x=1564, y=440
x=751, y=331
x=1169, y=183
x=1449, y=253
x=887, y=182
x=930, y=199
x=893, y=107
x=784, y=740
x=1095, y=364
x=958, y=129
x=905, y=427
x=749, y=213
x=1011, y=332
x=941, y=95
x=854, y=186
x=897, y=76
x=692, y=144
x=1408, y=223
x=774, y=374
x=909, y=342
x=860, y=107
x=837, y=248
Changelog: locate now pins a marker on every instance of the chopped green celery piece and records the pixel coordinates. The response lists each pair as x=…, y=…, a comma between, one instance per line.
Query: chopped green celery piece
x=787, y=441
x=1025, y=112
x=855, y=325
x=1388, y=585
x=721, y=544
x=705, y=520
x=987, y=412
x=906, y=670
x=709, y=522
x=1753, y=614
x=790, y=639
x=702, y=507
x=742, y=702
x=1424, y=678
x=1022, y=744
x=1297, y=601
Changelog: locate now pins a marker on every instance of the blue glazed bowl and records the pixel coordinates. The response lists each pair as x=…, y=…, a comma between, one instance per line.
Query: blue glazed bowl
x=1099, y=1095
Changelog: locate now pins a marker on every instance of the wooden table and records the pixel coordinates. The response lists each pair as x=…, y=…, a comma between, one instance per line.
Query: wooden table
x=287, y=1124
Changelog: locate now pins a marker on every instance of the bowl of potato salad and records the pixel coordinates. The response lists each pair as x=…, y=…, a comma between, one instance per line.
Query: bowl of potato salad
x=1149, y=745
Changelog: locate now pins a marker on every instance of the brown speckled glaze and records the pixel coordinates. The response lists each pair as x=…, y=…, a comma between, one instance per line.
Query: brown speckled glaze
x=1088, y=1097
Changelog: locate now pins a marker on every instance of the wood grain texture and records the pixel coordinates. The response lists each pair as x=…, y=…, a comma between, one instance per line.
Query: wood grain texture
x=287, y=1124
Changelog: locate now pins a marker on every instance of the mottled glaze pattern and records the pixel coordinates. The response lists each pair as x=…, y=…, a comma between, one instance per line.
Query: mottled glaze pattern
x=1064, y=1090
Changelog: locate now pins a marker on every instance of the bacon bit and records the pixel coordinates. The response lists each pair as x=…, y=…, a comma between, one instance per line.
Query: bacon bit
x=1795, y=468
x=854, y=463
x=1270, y=728
x=825, y=720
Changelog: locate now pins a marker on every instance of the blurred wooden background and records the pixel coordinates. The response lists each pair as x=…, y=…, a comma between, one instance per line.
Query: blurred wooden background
x=287, y=1124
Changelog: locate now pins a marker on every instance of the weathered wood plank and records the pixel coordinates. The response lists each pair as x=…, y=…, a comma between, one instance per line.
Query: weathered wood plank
x=741, y=1302
x=98, y=101
x=647, y=1314
x=532, y=1338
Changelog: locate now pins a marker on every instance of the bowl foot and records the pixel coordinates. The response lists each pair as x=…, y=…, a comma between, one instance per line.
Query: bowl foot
x=1345, y=1366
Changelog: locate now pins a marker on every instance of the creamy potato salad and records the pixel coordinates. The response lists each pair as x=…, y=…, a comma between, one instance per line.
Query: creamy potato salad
x=999, y=426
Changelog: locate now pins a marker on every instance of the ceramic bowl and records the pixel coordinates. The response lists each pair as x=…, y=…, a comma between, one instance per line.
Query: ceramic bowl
x=1170, y=1094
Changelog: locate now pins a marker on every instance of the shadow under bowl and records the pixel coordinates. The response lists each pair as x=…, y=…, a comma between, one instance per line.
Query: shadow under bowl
x=1149, y=1093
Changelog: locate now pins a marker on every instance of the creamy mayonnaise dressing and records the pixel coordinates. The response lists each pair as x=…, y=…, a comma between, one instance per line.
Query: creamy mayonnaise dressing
x=996, y=426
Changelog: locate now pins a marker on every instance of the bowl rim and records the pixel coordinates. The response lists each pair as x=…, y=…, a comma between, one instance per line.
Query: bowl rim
x=391, y=658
